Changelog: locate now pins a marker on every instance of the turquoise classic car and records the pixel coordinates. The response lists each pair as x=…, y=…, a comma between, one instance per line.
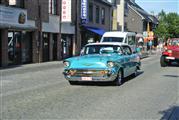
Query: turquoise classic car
x=102, y=62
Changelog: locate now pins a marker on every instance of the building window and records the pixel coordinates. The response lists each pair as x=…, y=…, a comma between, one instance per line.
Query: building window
x=17, y=3
x=97, y=14
x=53, y=7
x=126, y=9
x=90, y=13
x=103, y=16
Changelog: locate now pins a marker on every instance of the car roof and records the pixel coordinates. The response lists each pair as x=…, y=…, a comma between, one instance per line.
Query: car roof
x=107, y=43
x=117, y=34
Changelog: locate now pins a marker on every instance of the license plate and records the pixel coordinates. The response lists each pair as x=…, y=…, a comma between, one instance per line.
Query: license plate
x=87, y=78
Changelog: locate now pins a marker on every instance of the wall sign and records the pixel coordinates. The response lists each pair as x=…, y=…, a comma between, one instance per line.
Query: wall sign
x=84, y=11
x=12, y=16
x=66, y=11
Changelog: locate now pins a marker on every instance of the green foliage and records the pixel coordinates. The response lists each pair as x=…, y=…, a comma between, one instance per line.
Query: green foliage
x=168, y=25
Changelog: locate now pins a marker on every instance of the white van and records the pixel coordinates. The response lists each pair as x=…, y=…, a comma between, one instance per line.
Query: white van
x=122, y=37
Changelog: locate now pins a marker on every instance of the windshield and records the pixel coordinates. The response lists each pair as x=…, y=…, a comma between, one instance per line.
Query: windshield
x=102, y=49
x=113, y=39
x=174, y=42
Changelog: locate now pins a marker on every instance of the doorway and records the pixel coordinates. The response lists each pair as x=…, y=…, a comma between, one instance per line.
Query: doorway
x=54, y=46
x=19, y=47
x=14, y=48
x=67, y=46
x=45, y=47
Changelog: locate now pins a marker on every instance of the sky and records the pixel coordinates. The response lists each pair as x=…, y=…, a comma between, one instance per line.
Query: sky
x=157, y=5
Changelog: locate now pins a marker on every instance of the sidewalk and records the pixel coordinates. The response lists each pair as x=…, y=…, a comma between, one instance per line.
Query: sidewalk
x=31, y=67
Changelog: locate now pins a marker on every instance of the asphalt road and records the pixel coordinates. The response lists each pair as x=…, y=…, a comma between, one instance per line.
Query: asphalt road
x=41, y=92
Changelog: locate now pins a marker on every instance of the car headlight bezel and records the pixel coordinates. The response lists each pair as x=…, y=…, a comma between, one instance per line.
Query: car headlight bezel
x=110, y=64
x=66, y=63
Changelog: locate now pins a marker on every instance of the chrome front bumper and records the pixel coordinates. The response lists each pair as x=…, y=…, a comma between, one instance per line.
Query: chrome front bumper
x=104, y=78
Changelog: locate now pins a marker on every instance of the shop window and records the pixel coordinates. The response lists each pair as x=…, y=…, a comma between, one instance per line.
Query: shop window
x=126, y=9
x=14, y=48
x=19, y=47
x=90, y=13
x=97, y=14
x=103, y=16
x=17, y=3
x=53, y=7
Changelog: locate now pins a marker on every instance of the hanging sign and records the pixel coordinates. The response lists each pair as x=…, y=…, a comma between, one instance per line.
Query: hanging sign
x=66, y=11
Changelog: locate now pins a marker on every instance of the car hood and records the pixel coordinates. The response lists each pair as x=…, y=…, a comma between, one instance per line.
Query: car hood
x=173, y=48
x=96, y=61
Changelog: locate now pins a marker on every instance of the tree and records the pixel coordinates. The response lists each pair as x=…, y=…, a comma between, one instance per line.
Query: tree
x=172, y=24
x=168, y=25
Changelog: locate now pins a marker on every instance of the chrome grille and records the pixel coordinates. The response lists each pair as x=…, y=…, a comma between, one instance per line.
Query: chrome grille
x=90, y=73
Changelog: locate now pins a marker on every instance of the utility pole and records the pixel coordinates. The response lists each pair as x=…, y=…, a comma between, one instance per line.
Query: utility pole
x=77, y=28
x=39, y=32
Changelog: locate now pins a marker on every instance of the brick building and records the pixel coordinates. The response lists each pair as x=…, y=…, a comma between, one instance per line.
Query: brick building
x=98, y=20
x=34, y=31
x=29, y=31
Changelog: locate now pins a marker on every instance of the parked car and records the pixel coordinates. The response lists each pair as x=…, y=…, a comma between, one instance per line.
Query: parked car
x=102, y=62
x=171, y=53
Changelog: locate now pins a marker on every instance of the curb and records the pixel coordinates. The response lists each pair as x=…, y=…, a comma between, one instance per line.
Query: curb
x=32, y=67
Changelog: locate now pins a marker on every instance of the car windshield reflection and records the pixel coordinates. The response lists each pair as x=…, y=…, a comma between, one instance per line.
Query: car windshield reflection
x=102, y=49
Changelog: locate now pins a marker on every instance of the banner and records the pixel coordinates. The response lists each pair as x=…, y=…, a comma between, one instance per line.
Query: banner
x=66, y=11
x=84, y=11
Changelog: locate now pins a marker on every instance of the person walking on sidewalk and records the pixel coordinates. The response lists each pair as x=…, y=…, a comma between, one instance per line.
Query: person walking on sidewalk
x=150, y=47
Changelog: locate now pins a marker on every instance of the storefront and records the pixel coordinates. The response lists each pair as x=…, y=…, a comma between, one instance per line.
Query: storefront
x=46, y=46
x=67, y=40
x=67, y=46
x=19, y=47
x=91, y=35
x=51, y=43
x=16, y=36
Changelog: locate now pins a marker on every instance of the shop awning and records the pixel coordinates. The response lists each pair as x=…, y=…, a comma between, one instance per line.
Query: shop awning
x=98, y=31
x=20, y=27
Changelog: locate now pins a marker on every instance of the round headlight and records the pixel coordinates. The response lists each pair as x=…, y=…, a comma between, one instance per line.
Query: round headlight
x=66, y=64
x=110, y=64
x=169, y=51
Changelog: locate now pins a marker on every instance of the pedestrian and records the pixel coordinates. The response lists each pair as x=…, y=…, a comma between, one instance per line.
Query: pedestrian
x=150, y=46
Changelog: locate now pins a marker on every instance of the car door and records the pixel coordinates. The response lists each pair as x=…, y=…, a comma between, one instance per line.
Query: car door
x=127, y=60
x=130, y=60
x=133, y=62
